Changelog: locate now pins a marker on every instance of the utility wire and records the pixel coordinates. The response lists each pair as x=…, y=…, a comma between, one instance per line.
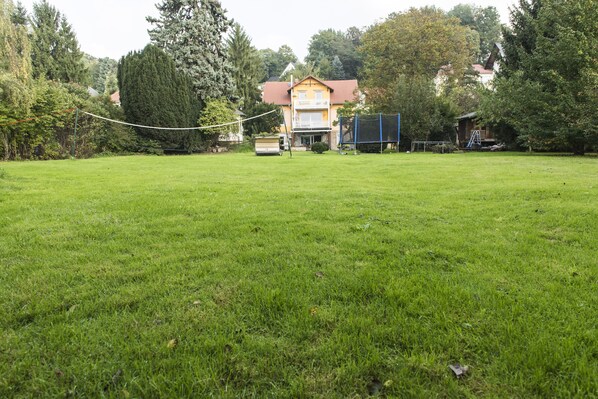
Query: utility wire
x=179, y=128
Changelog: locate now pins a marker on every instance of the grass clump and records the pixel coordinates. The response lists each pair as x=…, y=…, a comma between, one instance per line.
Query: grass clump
x=235, y=275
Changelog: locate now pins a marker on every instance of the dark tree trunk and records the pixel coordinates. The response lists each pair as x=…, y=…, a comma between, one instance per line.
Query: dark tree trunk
x=579, y=148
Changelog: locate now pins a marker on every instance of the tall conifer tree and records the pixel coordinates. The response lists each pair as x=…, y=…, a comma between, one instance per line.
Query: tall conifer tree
x=247, y=65
x=192, y=33
x=55, y=50
x=154, y=93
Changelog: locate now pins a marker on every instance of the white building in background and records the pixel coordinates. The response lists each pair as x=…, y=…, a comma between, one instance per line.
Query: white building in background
x=235, y=134
x=485, y=73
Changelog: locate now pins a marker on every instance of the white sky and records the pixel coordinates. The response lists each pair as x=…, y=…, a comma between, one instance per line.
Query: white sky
x=112, y=28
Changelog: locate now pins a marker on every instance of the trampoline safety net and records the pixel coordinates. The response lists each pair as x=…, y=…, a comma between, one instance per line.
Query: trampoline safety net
x=370, y=129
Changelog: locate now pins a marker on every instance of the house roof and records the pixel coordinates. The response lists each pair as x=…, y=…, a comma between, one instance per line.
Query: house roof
x=344, y=90
x=277, y=93
x=341, y=90
x=471, y=115
x=310, y=77
x=290, y=67
x=497, y=53
x=481, y=70
x=115, y=97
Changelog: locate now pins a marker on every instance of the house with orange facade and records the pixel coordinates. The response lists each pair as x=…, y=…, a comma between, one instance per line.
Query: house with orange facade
x=310, y=108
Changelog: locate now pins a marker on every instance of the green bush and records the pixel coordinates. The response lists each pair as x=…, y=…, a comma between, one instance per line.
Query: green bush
x=246, y=146
x=369, y=148
x=319, y=148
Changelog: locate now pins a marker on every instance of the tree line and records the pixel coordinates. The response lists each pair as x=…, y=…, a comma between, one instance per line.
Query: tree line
x=201, y=66
x=43, y=79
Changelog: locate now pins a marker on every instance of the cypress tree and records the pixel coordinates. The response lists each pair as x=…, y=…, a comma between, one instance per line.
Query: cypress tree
x=154, y=93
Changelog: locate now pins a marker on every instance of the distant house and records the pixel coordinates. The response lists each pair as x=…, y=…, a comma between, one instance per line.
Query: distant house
x=310, y=107
x=235, y=132
x=115, y=98
x=485, y=76
x=485, y=73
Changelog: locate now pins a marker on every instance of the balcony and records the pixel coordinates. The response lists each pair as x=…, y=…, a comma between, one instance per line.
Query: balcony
x=310, y=125
x=312, y=104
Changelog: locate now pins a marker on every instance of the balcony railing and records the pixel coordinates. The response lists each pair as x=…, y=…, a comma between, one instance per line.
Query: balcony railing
x=311, y=125
x=312, y=104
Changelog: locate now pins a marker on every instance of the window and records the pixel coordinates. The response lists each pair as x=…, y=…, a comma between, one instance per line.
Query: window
x=302, y=95
x=311, y=119
x=319, y=95
x=308, y=141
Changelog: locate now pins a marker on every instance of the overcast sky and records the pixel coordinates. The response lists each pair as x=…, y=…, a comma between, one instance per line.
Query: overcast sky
x=112, y=28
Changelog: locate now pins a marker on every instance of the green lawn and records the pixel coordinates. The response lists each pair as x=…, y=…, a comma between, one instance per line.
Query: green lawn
x=318, y=276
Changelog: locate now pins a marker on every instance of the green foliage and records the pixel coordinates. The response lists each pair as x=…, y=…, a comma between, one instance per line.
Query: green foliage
x=55, y=50
x=416, y=43
x=15, y=47
x=154, y=93
x=103, y=75
x=424, y=115
x=269, y=123
x=15, y=75
x=302, y=71
x=247, y=146
x=350, y=109
x=192, y=32
x=329, y=45
x=97, y=136
x=247, y=65
x=319, y=147
x=465, y=93
x=216, y=112
x=403, y=55
x=549, y=81
x=485, y=21
x=36, y=115
x=275, y=62
x=338, y=71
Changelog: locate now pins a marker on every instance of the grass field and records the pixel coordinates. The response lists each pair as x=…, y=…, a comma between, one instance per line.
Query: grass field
x=319, y=276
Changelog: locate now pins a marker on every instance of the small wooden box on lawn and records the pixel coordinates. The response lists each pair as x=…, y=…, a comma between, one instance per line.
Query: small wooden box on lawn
x=269, y=145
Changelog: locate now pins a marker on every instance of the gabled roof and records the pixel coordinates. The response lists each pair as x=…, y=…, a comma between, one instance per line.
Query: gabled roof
x=279, y=93
x=344, y=90
x=310, y=77
x=290, y=67
x=497, y=54
x=276, y=93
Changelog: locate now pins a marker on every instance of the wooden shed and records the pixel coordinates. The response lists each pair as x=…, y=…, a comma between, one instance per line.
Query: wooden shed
x=469, y=123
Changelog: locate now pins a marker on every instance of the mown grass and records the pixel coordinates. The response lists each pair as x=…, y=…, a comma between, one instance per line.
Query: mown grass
x=318, y=276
